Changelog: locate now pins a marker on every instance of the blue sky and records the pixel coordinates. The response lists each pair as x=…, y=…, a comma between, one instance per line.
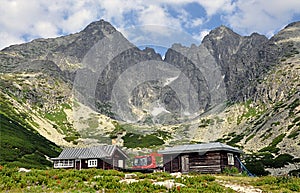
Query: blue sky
x=182, y=21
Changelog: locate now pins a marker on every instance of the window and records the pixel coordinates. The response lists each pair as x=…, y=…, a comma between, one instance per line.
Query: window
x=63, y=163
x=230, y=159
x=142, y=161
x=92, y=163
x=120, y=163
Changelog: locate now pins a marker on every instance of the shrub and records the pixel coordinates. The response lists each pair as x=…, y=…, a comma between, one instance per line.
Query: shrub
x=256, y=167
x=230, y=170
x=282, y=160
x=133, y=140
x=235, y=140
x=272, y=147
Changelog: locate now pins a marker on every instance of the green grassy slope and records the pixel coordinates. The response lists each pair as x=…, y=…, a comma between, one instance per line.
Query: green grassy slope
x=20, y=144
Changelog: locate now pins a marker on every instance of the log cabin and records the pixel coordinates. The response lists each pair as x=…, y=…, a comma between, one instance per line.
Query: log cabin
x=202, y=158
x=101, y=157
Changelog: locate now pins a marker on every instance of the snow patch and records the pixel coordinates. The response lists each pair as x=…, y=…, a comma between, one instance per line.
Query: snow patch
x=158, y=110
x=170, y=80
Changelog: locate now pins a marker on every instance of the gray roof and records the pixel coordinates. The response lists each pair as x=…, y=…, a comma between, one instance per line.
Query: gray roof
x=200, y=148
x=103, y=151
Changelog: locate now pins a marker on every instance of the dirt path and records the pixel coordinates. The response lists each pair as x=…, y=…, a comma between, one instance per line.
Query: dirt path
x=239, y=188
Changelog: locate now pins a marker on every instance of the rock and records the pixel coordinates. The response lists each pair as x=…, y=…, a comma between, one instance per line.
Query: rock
x=169, y=184
x=176, y=174
x=95, y=177
x=24, y=170
x=130, y=176
x=128, y=181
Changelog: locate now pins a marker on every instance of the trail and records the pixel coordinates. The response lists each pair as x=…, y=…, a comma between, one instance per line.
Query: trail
x=238, y=187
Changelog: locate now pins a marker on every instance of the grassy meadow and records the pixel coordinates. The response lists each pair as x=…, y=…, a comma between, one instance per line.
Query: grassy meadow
x=95, y=180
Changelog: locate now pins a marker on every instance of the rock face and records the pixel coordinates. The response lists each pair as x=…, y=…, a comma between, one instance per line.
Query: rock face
x=223, y=68
x=230, y=63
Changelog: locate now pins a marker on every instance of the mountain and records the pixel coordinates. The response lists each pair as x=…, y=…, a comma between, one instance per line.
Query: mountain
x=95, y=86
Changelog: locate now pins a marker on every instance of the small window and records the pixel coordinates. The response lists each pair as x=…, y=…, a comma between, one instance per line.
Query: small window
x=230, y=159
x=63, y=163
x=92, y=163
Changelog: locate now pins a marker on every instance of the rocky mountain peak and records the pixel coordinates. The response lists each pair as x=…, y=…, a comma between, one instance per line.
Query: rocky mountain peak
x=100, y=25
x=290, y=33
x=221, y=33
x=151, y=52
x=294, y=24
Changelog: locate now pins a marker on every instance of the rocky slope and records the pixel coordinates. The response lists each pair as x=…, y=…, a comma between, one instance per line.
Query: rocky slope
x=94, y=86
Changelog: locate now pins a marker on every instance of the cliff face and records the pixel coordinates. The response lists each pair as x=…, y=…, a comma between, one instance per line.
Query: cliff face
x=231, y=63
x=237, y=89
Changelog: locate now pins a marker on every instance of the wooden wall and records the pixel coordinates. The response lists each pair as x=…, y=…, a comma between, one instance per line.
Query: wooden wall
x=224, y=161
x=101, y=164
x=172, y=163
x=210, y=162
x=205, y=163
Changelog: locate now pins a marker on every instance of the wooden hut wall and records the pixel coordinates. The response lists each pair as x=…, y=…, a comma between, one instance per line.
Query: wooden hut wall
x=100, y=164
x=84, y=164
x=209, y=162
x=205, y=163
x=224, y=160
x=172, y=163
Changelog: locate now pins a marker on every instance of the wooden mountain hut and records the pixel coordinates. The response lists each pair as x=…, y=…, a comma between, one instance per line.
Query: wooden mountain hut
x=202, y=158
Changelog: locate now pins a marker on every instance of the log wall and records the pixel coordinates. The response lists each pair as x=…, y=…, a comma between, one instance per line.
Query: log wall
x=205, y=163
x=209, y=162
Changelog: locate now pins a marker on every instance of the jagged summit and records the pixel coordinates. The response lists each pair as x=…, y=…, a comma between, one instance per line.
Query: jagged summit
x=293, y=24
x=100, y=25
x=290, y=33
x=221, y=33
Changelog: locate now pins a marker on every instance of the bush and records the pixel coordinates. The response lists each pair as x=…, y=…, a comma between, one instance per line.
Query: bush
x=272, y=147
x=282, y=160
x=230, y=170
x=133, y=140
x=94, y=180
x=257, y=168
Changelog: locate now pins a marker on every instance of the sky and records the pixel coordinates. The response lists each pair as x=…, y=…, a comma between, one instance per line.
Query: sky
x=181, y=21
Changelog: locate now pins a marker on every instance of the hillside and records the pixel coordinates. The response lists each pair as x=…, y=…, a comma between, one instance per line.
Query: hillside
x=94, y=86
x=20, y=144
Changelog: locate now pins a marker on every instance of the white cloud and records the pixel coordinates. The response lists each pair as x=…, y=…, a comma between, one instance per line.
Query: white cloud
x=77, y=20
x=201, y=35
x=156, y=15
x=45, y=29
x=197, y=22
x=44, y=18
x=262, y=16
x=8, y=39
x=212, y=7
x=115, y=9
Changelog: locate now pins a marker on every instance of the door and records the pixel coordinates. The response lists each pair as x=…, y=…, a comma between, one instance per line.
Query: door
x=77, y=164
x=184, y=163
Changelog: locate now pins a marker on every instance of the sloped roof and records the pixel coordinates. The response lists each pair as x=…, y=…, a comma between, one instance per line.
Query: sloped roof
x=200, y=148
x=103, y=151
